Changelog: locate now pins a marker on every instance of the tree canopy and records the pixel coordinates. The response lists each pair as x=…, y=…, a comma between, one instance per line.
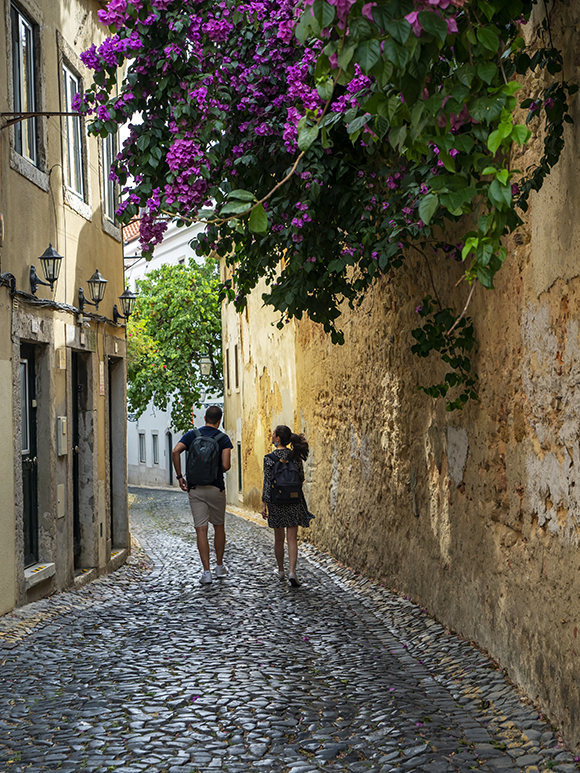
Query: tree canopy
x=324, y=141
x=176, y=321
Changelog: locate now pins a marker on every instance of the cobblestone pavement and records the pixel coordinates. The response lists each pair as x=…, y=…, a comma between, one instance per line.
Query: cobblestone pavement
x=147, y=671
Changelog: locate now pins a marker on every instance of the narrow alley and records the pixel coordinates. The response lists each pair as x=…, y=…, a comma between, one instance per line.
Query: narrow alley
x=145, y=671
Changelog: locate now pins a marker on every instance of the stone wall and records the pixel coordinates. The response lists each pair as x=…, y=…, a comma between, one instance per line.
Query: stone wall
x=473, y=514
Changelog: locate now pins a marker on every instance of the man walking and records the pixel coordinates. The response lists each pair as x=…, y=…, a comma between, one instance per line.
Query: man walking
x=209, y=456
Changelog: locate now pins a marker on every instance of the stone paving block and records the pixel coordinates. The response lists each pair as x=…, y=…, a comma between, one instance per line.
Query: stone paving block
x=144, y=671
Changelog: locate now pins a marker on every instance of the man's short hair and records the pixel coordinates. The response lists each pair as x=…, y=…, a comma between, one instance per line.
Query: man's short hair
x=213, y=415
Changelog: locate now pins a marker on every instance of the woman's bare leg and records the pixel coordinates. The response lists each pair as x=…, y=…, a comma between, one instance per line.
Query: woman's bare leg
x=292, y=534
x=279, y=537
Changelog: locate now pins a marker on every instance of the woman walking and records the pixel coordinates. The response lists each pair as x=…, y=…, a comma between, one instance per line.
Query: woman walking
x=285, y=517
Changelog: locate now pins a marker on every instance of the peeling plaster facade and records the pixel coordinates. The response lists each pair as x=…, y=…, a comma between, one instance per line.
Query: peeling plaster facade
x=63, y=481
x=473, y=514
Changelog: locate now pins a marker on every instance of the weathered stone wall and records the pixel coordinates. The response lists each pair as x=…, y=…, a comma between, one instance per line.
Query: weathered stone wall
x=474, y=514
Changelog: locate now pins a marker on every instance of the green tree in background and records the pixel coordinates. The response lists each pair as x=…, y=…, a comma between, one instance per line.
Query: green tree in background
x=176, y=322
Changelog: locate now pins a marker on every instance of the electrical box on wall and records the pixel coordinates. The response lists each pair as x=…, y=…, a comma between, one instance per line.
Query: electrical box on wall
x=61, y=436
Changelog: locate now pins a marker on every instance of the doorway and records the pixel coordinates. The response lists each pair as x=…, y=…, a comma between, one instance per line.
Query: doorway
x=117, y=466
x=29, y=453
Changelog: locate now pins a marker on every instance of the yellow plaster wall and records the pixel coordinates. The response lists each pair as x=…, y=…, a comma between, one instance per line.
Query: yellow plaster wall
x=34, y=215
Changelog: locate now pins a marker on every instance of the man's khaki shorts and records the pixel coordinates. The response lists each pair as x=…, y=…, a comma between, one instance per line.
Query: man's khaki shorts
x=208, y=505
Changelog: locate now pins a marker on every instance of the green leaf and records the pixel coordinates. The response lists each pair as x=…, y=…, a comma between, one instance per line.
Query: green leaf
x=323, y=12
x=367, y=54
x=395, y=53
x=258, y=221
x=488, y=38
x=358, y=123
x=466, y=74
x=411, y=88
x=345, y=55
x=306, y=27
x=485, y=276
x=487, y=72
x=484, y=254
x=307, y=136
x=494, y=141
x=433, y=24
x=241, y=195
x=381, y=126
x=397, y=137
x=235, y=208
x=428, y=206
x=325, y=88
x=520, y=134
x=463, y=143
x=500, y=195
x=399, y=29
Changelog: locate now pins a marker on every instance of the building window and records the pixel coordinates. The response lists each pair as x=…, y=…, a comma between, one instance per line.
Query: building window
x=73, y=136
x=239, y=467
x=181, y=261
x=24, y=84
x=228, y=385
x=142, y=449
x=236, y=371
x=155, y=448
x=109, y=153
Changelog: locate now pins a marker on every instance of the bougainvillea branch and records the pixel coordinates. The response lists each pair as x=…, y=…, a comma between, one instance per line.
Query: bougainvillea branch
x=320, y=140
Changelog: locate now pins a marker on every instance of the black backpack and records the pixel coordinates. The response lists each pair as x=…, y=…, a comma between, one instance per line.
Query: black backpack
x=286, y=484
x=203, y=459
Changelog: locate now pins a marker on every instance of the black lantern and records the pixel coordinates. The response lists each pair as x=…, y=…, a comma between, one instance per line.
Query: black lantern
x=97, y=287
x=51, y=262
x=127, y=299
x=205, y=365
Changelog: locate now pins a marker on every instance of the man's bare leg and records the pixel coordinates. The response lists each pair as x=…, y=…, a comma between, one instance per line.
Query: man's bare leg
x=219, y=543
x=203, y=546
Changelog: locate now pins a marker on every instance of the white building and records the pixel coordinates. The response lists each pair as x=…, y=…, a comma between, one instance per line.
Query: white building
x=150, y=438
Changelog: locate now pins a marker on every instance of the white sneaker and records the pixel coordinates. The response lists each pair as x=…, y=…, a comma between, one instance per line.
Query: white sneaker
x=205, y=578
x=279, y=573
x=293, y=580
x=221, y=570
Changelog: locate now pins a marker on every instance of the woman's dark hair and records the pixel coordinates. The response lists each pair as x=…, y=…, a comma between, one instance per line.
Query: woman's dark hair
x=298, y=442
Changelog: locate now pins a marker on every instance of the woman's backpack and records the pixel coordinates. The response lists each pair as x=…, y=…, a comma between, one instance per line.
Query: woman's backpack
x=286, y=484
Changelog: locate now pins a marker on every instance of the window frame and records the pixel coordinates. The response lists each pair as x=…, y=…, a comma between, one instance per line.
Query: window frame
x=109, y=149
x=155, y=447
x=69, y=60
x=21, y=94
x=35, y=172
x=142, y=449
x=73, y=136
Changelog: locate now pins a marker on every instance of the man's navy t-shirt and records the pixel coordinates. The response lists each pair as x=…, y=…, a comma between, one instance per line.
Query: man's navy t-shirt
x=223, y=443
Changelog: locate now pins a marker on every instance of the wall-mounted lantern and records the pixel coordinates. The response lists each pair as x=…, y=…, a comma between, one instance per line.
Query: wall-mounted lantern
x=128, y=299
x=51, y=262
x=97, y=286
x=205, y=365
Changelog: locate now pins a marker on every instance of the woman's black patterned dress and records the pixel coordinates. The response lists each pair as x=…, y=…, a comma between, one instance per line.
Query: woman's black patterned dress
x=282, y=516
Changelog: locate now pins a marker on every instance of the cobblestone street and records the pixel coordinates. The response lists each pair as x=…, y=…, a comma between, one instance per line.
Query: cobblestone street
x=146, y=670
